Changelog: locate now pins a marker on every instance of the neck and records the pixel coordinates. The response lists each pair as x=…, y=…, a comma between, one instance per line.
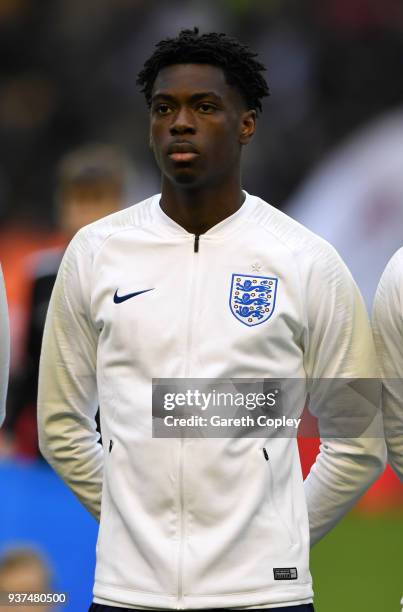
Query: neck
x=199, y=209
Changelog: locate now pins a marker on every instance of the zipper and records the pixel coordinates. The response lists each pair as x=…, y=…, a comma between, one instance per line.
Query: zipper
x=195, y=266
x=189, y=343
x=273, y=499
x=182, y=528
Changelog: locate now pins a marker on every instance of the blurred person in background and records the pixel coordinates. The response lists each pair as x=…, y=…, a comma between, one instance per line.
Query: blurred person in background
x=189, y=525
x=91, y=183
x=4, y=348
x=23, y=570
x=388, y=334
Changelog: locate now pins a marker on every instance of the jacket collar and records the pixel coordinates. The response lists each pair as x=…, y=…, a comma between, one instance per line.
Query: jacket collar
x=221, y=229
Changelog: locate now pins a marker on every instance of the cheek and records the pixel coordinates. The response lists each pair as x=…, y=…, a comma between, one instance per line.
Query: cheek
x=225, y=144
x=153, y=137
x=157, y=132
x=225, y=132
x=155, y=143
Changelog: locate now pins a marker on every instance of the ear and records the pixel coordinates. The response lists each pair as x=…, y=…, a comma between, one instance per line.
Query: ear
x=247, y=126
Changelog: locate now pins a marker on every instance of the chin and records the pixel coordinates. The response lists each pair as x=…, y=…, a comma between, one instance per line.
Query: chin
x=185, y=178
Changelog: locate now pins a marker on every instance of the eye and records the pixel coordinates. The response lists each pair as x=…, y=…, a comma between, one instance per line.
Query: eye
x=207, y=107
x=162, y=109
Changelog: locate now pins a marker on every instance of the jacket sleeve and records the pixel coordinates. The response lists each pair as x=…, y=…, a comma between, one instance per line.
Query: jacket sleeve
x=67, y=393
x=339, y=346
x=4, y=349
x=388, y=333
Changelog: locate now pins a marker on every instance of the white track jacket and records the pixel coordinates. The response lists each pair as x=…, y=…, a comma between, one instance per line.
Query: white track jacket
x=198, y=523
x=388, y=333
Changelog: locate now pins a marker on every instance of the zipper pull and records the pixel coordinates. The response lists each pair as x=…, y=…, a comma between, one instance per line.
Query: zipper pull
x=266, y=456
x=196, y=244
x=110, y=445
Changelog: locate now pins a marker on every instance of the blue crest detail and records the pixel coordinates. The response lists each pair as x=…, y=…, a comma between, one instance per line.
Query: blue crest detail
x=252, y=298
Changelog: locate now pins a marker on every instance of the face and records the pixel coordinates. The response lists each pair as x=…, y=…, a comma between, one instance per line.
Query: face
x=86, y=202
x=28, y=576
x=198, y=125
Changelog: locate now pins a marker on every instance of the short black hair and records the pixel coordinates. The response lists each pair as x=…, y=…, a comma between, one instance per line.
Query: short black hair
x=236, y=59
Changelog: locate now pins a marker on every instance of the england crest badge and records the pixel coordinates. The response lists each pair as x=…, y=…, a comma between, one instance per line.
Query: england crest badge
x=252, y=298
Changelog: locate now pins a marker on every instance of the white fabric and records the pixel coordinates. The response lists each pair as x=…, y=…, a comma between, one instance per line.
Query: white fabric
x=388, y=334
x=198, y=523
x=107, y=602
x=4, y=348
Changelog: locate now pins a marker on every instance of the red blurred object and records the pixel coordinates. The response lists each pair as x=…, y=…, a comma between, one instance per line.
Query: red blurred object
x=308, y=449
x=360, y=15
x=26, y=434
x=15, y=247
x=385, y=494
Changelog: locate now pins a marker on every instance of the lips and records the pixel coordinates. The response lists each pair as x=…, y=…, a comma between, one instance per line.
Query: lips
x=182, y=151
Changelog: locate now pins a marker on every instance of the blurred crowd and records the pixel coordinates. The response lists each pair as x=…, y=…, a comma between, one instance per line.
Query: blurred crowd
x=67, y=89
x=68, y=71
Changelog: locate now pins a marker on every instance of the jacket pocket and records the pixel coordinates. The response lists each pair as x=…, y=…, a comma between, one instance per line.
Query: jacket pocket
x=274, y=503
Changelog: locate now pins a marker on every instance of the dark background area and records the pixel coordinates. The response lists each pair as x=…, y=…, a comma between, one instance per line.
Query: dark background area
x=68, y=71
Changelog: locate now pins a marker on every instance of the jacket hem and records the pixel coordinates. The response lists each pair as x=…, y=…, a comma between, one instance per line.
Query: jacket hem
x=292, y=595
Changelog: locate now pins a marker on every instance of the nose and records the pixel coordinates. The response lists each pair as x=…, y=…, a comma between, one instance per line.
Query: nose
x=183, y=122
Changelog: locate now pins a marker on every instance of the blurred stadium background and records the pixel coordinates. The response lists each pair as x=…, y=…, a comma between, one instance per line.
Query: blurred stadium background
x=329, y=151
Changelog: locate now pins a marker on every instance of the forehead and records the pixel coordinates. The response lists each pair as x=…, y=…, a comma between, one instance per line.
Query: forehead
x=187, y=79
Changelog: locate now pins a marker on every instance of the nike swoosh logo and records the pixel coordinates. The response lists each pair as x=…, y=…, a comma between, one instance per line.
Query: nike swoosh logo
x=118, y=299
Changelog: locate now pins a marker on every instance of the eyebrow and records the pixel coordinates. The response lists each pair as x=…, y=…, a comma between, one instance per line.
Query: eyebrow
x=193, y=98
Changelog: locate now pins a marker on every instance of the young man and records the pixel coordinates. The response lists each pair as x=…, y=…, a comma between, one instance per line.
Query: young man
x=4, y=348
x=388, y=334
x=143, y=294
